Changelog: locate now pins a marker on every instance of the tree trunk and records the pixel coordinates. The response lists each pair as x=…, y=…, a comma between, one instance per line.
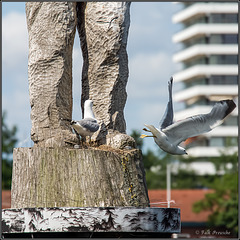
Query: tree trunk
x=64, y=177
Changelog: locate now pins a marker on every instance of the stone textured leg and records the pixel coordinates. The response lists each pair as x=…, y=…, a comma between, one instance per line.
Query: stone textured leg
x=103, y=30
x=51, y=28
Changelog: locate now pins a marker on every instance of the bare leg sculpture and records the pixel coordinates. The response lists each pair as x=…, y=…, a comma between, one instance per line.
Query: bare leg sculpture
x=51, y=27
x=103, y=29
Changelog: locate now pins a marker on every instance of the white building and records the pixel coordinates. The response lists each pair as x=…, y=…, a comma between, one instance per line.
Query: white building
x=209, y=59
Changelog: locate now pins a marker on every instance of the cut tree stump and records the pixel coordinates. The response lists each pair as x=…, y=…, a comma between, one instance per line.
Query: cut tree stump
x=65, y=177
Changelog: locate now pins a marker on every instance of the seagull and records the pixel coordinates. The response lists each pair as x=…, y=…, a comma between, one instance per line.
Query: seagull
x=170, y=135
x=88, y=125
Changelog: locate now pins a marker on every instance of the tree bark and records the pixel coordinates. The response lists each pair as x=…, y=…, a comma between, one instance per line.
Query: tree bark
x=64, y=177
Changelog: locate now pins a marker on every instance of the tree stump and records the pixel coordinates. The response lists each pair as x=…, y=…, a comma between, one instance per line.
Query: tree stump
x=67, y=177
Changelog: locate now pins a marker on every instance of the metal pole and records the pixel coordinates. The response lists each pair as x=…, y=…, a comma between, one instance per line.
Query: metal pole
x=168, y=184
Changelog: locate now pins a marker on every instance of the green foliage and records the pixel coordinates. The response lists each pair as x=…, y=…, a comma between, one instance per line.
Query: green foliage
x=139, y=141
x=6, y=174
x=155, y=167
x=223, y=202
x=8, y=136
x=9, y=141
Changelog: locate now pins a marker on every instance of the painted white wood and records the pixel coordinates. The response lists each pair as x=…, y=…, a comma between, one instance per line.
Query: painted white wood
x=118, y=219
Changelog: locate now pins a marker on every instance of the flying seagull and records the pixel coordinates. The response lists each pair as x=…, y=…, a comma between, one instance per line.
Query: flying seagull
x=170, y=135
x=88, y=125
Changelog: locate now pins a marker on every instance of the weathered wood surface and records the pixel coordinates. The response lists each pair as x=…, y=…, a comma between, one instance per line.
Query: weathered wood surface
x=64, y=177
x=121, y=219
x=103, y=30
x=51, y=28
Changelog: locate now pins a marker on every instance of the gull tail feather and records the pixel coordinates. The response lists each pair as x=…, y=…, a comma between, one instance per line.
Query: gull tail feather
x=231, y=106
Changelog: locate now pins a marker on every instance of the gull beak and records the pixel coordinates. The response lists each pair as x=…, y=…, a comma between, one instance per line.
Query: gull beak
x=143, y=136
x=73, y=122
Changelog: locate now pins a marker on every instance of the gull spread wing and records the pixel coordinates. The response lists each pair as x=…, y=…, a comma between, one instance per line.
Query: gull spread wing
x=167, y=119
x=90, y=124
x=199, y=124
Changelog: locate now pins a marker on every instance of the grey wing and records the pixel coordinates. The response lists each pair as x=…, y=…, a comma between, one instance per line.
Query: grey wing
x=167, y=119
x=90, y=124
x=199, y=124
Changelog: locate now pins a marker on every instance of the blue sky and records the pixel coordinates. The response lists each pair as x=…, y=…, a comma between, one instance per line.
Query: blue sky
x=150, y=49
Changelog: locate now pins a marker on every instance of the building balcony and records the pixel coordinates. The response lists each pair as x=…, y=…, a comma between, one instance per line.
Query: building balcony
x=200, y=50
x=223, y=131
x=210, y=151
x=200, y=168
x=205, y=29
x=204, y=9
x=205, y=70
x=212, y=92
x=188, y=112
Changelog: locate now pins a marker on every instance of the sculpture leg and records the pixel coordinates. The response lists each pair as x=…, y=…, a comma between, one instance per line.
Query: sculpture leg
x=103, y=30
x=51, y=28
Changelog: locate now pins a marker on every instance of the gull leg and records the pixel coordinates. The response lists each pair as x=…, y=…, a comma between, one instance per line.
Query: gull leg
x=146, y=130
x=88, y=141
x=143, y=136
x=77, y=136
x=92, y=143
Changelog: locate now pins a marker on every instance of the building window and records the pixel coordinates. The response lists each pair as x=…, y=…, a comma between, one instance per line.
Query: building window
x=223, y=59
x=223, y=39
x=223, y=18
x=214, y=18
x=199, y=81
x=223, y=80
x=216, y=142
x=212, y=60
x=231, y=141
x=230, y=121
x=223, y=141
x=229, y=38
x=213, y=80
x=212, y=39
x=201, y=101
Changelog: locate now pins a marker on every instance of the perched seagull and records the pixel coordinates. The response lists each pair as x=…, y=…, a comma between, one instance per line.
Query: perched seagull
x=170, y=134
x=88, y=125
